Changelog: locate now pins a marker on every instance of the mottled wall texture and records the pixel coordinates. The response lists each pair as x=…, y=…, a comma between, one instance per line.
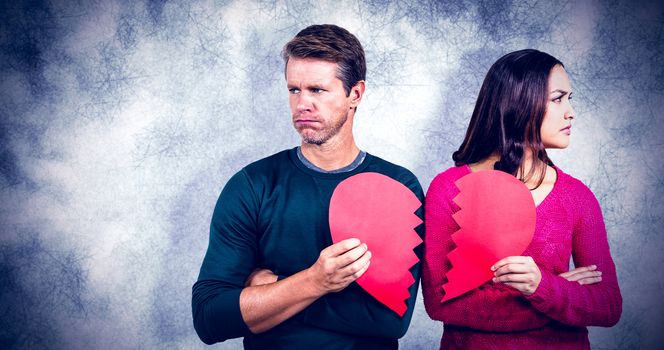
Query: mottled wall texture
x=120, y=122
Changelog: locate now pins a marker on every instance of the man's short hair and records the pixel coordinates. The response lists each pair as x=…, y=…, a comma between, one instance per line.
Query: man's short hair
x=331, y=43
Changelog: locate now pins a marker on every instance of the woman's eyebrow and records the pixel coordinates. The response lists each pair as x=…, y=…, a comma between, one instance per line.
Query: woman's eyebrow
x=564, y=92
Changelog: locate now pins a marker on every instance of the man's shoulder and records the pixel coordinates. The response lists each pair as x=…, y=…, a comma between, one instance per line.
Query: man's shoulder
x=264, y=170
x=395, y=171
x=386, y=165
x=270, y=163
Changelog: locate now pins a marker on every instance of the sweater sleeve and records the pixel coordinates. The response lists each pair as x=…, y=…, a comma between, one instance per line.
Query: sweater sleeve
x=571, y=303
x=491, y=307
x=229, y=260
x=354, y=311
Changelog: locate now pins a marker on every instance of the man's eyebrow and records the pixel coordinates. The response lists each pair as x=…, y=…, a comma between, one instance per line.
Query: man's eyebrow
x=307, y=86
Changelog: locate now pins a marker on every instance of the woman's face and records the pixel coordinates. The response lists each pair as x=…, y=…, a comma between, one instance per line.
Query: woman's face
x=556, y=126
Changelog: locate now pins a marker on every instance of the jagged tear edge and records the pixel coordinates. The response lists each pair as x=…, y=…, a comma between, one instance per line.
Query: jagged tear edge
x=416, y=260
x=451, y=255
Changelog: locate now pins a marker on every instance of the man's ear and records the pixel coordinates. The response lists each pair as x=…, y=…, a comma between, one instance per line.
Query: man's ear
x=356, y=93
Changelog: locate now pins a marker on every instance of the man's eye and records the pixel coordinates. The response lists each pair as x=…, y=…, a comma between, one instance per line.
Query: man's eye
x=316, y=90
x=294, y=91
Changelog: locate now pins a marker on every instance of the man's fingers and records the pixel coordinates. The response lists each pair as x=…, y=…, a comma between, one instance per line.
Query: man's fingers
x=345, y=276
x=364, y=269
x=351, y=255
x=356, y=266
x=341, y=247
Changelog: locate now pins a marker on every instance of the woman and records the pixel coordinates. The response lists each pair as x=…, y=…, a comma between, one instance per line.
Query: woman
x=533, y=302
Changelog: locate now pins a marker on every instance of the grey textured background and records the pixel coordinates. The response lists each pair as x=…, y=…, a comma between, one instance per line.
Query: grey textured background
x=120, y=121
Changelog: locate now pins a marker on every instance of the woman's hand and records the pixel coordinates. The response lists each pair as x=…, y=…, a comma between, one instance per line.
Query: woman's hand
x=583, y=275
x=518, y=272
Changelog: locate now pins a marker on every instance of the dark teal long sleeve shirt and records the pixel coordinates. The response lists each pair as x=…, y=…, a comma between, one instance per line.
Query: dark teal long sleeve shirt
x=273, y=214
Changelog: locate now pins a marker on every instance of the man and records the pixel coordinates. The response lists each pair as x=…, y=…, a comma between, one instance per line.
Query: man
x=271, y=273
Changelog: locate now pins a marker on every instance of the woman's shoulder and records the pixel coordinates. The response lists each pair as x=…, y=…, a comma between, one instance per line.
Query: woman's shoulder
x=581, y=203
x=570, y=181
x=453, y=173
x=573, y=187
x=448, y=177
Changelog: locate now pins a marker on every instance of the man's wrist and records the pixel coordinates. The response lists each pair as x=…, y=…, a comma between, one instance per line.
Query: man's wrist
x=311, y=284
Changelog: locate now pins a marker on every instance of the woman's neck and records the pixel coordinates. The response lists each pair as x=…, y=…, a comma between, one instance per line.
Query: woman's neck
x=486, y=163
x=525, y=171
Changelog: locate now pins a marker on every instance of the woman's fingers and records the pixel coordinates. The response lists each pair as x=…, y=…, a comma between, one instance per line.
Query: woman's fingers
x=583, y=275
x=510, y=260
x=590, y=280
x=519, y=272
x=579, y=270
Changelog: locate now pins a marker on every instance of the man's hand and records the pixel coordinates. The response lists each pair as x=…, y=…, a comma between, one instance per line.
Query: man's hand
x=260, y=277
x=518, y=272
x=583, y=275
x=265, y=303
x=339, y=265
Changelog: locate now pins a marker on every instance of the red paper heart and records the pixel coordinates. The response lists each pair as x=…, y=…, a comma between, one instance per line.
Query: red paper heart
x=380, y=212
x=496, y=220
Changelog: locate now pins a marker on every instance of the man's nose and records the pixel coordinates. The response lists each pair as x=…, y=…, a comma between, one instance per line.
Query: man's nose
x=304, y=102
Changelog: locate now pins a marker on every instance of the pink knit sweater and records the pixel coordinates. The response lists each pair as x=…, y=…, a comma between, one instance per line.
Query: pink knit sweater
x=496, y=316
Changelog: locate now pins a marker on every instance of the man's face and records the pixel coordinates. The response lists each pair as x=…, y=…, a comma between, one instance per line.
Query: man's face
x=318, y=101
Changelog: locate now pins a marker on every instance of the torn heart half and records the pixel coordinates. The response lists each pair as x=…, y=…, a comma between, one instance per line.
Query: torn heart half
x=380, y=212
x=496, y=220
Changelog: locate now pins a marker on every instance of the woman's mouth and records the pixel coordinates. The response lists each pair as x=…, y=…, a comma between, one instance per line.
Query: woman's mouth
x=567, y=130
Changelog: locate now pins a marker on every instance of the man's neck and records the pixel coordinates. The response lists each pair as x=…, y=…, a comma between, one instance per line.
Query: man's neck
x=331, y=155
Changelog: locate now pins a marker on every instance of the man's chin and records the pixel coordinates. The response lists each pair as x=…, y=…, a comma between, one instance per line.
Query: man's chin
x=311, y=138
x=311, y=141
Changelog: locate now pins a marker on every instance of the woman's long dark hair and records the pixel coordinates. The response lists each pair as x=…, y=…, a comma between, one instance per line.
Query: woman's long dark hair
x=508, y=115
